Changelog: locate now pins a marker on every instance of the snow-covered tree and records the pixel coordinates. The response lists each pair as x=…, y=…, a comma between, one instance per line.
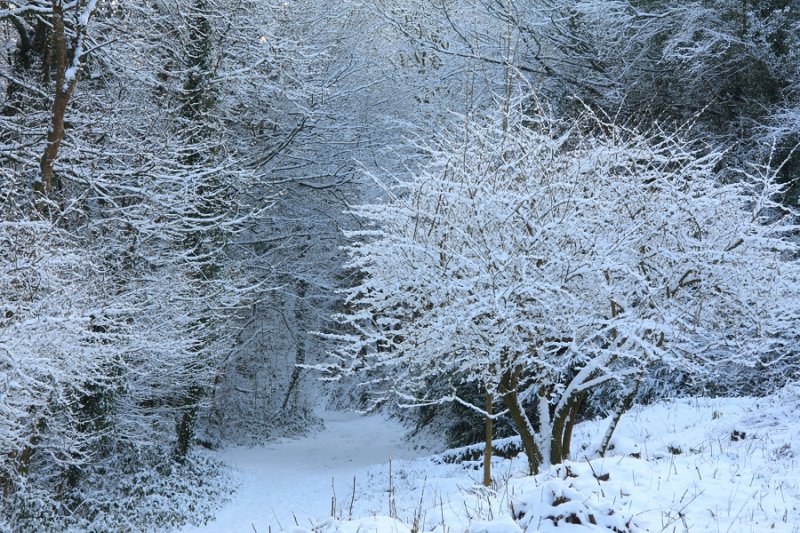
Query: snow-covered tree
x=653, y=60
x=51, y=346
x=142, y=284
x=352, y=89
x=538, y=260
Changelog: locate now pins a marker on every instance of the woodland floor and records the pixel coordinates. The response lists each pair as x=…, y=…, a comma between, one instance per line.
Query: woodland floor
x=726, y=465
x=293, y=481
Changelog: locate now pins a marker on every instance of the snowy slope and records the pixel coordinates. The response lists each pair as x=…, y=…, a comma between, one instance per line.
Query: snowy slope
x=723, y=465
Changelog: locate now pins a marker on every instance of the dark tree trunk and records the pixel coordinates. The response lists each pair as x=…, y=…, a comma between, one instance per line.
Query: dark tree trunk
x=184, y=429
x=623, y=406
x=487, y=450
x=63, y=92
x=509, y=384
x=563, y=424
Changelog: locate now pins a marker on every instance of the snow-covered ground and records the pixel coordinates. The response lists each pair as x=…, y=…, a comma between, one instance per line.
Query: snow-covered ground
x=700, y=465
x=290, y=482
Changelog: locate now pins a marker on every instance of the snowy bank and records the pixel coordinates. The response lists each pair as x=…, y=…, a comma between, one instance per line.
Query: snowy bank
x=687, y=465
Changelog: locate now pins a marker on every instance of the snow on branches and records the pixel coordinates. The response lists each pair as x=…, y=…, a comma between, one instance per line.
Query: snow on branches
x=540, y=260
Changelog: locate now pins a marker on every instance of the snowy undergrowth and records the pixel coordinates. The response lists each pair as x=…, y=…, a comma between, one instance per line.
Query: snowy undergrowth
x=131, y=497
x=727, y=465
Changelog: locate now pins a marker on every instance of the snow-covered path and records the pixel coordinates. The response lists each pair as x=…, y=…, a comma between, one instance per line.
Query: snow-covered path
x=291, y=480
x=723, y=464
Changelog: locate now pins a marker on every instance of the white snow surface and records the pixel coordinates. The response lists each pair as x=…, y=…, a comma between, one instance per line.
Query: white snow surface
x=295, y=478
x=695, y=465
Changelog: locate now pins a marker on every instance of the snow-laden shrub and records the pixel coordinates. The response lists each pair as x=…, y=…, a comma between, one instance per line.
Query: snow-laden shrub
x=538, y=260
x=571, y=494
x=122, y=496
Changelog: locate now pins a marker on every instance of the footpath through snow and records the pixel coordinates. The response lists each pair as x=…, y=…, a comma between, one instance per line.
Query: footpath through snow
x=693, y=465
x=291, y=482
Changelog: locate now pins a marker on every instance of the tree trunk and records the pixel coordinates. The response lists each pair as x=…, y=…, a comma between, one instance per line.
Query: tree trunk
x=63, y=92
x=564, y=423
x=300, y=344
x=184, y=429
x=508, y=385
x=566, y=441
x=623, y=406
x=487, y=450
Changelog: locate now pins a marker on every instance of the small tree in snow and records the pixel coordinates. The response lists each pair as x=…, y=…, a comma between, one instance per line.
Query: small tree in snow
x=540, y=260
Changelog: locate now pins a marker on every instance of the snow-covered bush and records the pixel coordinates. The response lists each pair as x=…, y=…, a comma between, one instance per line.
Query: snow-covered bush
x=538, y=260
x=571, y=494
